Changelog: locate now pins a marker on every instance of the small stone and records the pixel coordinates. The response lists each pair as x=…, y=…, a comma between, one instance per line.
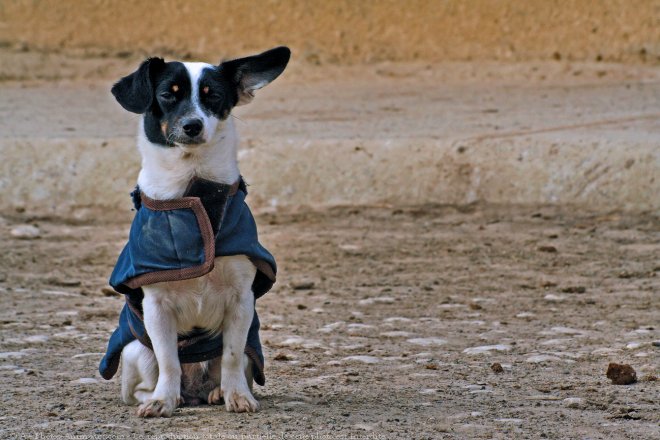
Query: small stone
x=301, y=306
x=282, y=357
x=85, y=381
x=475, y=306
x=107, y=291
x=549, y=249
x=621, y=374
x=427, y=342
x=363, y=359
x=574, y=402
x=486, y=349
x=497, y=367
x=650, y=378
x=539, y=358
x=431, y=367
x=302, y=285
x=26, y=232
x=574, y=289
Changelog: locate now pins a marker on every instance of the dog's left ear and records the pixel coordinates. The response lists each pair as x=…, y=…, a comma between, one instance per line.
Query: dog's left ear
x=252, y=73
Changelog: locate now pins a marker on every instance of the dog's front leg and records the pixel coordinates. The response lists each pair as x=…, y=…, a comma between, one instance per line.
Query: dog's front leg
x=160, y=323
x=236, y=324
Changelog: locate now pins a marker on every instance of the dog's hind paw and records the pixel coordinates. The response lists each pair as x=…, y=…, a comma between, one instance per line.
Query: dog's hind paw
x=157, y=408
x=241, y=402
x=215, y=397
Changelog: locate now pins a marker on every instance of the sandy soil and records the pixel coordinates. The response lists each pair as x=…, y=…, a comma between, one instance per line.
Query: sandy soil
x=409, y=308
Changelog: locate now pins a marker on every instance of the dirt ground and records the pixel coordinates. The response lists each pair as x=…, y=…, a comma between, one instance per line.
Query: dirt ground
x=385, y=320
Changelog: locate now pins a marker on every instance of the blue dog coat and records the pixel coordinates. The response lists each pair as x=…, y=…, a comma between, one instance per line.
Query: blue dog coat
x=179, y=239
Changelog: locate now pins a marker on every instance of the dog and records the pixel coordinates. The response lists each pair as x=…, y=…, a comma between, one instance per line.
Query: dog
x=193, y=267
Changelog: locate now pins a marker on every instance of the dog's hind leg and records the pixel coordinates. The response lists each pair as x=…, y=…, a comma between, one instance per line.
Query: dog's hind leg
x=139, y=373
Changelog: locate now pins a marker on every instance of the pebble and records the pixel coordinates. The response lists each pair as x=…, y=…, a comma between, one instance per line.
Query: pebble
x=426, y=342
x=542, y=358
x=563, y=341
x=397, y=334
x=297, y=341
x=400, y=319
x=36, y=339
x=574, y=402
x=84, y=355
x=605, y=351
x=58, y=293
x=621, y=374
x=85, y=381
x=514, y=421
x=108, y=291
x=363, y=359
x=331, y=327
x=378, y=300
x=486, y=349
x=428, y=391
x=12, y=354
x=282, y=357
x=361, y=326
x=553, y=297
x=115, y=425
x=302, y=285
x=497, y=367
x=364, y=426
x=567, y=331
x=26, y=232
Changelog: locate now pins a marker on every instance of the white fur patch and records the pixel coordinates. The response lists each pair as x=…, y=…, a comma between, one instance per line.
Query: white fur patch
x=195, y=71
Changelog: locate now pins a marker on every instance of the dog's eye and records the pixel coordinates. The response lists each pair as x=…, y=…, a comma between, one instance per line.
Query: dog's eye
x=167, y=96
x=212, y=94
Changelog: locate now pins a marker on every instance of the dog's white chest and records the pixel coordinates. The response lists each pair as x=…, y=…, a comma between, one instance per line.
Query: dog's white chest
x=202, y=302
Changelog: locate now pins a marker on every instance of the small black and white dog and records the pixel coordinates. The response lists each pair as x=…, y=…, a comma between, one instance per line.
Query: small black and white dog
x=186, y=135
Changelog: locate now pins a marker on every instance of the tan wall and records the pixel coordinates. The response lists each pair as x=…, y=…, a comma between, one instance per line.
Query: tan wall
x=342, y=30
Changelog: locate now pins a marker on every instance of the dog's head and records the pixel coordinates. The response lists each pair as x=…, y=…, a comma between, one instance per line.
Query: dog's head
x=182, y=103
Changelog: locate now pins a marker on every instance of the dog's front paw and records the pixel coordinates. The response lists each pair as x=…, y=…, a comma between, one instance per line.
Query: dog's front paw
x=157, y=408
x=240, y=401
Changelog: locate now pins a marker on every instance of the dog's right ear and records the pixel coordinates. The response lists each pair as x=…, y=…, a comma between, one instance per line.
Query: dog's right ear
x=135, y=92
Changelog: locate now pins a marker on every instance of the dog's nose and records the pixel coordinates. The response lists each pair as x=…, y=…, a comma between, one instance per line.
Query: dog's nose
x=193, y=127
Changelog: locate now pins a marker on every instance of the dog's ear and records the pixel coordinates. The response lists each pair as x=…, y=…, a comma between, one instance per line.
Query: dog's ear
x=252, y=73
x=135, y=92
